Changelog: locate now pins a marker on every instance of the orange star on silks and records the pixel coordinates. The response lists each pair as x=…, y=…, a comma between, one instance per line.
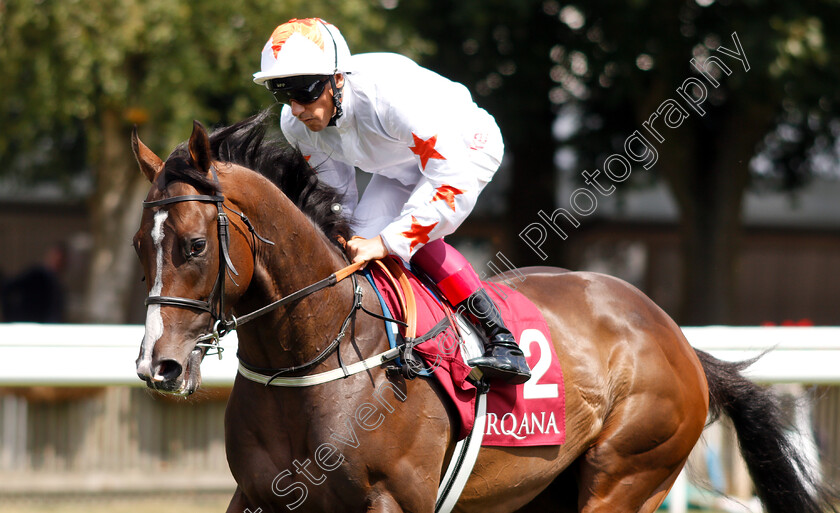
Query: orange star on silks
x=418, y=233
x=425, y=149
x=447, y=193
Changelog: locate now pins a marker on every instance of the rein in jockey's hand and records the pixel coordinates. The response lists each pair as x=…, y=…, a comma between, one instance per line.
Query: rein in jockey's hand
x=362, y=250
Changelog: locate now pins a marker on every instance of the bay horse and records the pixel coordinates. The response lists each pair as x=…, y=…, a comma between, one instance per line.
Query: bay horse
x=235, y=220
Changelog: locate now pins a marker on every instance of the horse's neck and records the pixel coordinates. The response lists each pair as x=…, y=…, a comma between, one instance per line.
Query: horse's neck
x=300, y=256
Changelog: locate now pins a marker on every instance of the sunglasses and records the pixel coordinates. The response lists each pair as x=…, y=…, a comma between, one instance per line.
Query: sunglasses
x=302, y=89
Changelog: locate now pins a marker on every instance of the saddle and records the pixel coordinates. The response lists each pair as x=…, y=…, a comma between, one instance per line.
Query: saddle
x=523, y=415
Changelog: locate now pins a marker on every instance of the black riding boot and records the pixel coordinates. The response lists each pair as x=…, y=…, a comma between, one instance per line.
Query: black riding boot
x=502, y=359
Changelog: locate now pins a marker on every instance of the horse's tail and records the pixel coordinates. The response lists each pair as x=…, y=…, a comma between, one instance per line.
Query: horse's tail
x=782, y=477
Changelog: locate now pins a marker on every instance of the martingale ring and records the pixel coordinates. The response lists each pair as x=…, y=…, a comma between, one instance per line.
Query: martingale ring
x=215, y=337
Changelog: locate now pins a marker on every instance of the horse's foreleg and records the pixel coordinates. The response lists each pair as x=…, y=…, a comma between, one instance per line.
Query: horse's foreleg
x=384, y=503
x=239, y=503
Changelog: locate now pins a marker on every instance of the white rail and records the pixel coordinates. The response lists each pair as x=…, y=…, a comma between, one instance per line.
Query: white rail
x=87, y=355
x=78, y=354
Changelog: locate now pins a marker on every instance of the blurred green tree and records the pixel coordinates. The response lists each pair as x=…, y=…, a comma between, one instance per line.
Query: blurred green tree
x=609, y=67
x=771, y=117
x=80, y=73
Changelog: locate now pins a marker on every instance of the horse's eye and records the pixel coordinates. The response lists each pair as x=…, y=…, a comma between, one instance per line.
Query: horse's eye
x=197, y=247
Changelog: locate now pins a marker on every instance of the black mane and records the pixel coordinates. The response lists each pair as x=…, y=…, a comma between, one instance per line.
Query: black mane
x=247, y=144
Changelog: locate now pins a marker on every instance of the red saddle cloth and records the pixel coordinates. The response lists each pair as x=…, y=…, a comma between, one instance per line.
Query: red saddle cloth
x=524, y=415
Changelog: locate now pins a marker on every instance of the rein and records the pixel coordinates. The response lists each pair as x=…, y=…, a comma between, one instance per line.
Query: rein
x=214, y=305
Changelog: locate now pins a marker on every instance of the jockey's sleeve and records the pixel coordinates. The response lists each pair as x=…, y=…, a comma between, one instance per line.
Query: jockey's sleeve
x=452, y=177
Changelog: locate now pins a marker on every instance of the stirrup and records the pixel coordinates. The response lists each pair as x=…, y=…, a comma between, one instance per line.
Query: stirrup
x=503, y=363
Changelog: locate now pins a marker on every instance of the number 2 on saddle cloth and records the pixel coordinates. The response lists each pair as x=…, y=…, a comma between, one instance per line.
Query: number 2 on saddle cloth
x=527, y=415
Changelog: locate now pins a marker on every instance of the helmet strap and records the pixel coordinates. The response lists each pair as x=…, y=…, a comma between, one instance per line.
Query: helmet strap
x=336, y=101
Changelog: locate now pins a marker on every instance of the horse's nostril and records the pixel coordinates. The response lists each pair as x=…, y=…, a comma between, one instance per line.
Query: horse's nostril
x=167, y=370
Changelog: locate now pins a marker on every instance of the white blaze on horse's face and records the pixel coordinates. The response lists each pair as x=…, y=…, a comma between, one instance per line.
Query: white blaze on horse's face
x=154, y=320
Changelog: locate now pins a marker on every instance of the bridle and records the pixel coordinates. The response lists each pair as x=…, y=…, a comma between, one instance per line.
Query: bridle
x=215, y=304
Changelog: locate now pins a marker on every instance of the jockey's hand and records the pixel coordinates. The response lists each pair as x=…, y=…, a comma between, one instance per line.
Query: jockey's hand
x=363, y=250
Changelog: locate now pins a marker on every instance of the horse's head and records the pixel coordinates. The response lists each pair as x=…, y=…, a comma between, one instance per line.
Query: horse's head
x=196, y=262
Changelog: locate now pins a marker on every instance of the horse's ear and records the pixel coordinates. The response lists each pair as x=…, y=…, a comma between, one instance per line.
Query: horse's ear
x=200, y=148
x=150, y=163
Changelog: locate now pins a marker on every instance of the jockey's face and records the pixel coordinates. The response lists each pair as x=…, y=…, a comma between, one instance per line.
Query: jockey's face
x=316, y=115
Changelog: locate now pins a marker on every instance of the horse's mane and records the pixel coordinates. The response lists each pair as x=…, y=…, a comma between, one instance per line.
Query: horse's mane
x=248, y=144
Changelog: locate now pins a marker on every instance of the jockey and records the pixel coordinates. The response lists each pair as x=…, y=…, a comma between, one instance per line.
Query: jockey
x=430, y=150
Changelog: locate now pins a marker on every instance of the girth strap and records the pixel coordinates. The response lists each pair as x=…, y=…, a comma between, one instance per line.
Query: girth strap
x=402, y=287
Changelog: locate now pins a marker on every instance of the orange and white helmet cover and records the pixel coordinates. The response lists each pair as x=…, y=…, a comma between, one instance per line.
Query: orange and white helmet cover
x=309, y=46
